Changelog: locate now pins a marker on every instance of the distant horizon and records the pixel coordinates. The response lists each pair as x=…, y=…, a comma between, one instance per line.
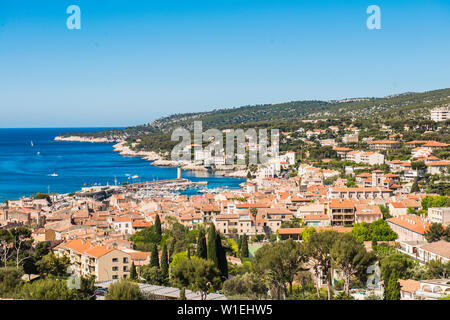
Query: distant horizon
x=214, y=108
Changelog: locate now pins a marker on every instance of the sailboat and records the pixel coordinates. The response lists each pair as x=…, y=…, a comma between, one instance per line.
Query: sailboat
x=32, y=144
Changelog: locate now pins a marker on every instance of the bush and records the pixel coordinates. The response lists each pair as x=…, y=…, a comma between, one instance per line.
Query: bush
x=124, y=290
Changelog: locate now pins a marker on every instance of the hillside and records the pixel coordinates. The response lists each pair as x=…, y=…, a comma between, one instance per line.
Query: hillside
x=155, y=136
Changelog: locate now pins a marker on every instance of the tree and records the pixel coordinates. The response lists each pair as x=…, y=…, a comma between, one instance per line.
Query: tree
x=319, y=248
x=436, y=269
x=47, y=289
x=165, y=263
x=278, y=263
x=158, y=228
x=378, y=230
x=182, y=294
x=392, y=290
x=399, y=263
x=52, y=265
x=222, y=262
x=10, y=282
x=247, y=286
x=351, y=257
x=212, y=247
x=307, y=233
x=201, y=245
x=415, y=187
x=153, y=275
x=385, y=211
x=123, y=290
x=133, y=273
x=196, y=274
x=244, y=247
x=435, y=232
x=154, y=259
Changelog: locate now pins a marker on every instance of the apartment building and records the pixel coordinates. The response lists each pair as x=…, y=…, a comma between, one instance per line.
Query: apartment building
x=409, y=227
x=384, y=144
x=359, y=193
x=104, y=262
x=440, y=114
x=341, y=212
x=439, y=215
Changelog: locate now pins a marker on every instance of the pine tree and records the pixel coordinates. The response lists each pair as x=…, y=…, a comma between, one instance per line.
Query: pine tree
x=244, y=247
x=133, y=273
x=415, y=187
x=158, y=228
x=154, y=259
x=222, y=263
x=164, y=262
x=212, y=247
x=201, y=245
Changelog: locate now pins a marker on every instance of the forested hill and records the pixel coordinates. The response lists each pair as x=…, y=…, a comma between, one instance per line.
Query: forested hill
x=401, y=107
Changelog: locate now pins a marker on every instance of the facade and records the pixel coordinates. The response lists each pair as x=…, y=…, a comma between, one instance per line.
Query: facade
x=341, y=212
x=105, y=263
x=439, y=215
x=409, y=227
x=384, y=144
x=440, y=114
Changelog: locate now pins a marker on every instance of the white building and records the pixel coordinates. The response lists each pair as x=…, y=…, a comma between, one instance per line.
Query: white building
x=440, y=114
x=439, y=215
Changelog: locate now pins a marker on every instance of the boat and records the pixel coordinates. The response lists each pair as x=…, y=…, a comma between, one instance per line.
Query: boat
x=135, y=177
x=53, y=174
x=31, y=143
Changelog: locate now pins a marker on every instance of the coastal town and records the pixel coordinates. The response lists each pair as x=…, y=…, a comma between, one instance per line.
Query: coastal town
x=381, y=206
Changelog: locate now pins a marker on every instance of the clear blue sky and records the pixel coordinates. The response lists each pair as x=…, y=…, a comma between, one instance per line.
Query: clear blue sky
x=133, y=61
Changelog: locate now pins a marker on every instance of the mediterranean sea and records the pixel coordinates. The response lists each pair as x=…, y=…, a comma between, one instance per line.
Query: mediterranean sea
x=31, y=162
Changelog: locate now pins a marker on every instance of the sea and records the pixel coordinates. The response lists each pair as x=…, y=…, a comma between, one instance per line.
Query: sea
x=31, y=162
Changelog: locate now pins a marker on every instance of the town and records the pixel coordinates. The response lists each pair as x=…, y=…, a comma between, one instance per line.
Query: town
x=336, y=202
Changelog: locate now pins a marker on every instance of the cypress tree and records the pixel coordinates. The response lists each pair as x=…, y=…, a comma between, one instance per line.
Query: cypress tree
x=158, y=228
x=212, y=247
x=188, y=251
x=244, y=247
x=201, y=245
x=165, y=262
x=392, y=291
x=221, y=258
x=154, y=259
x=171, y=249
x=133, y=273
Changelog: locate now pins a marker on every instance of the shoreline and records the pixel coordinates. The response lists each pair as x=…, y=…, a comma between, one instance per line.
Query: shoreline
x=155, y=159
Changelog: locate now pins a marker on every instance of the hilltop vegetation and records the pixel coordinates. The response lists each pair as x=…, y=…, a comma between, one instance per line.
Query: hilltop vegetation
x=395, y=110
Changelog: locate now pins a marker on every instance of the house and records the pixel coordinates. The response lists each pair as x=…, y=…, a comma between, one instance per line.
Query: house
x=408, y=289
x=437, y=167
x=359, y=193
x=367, y=213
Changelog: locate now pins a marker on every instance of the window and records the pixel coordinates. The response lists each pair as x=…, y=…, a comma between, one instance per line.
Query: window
x=115, y=277
x=125, y=260
x=125, y=268
x=115, y=260
x=115, y=268
x=124, y=276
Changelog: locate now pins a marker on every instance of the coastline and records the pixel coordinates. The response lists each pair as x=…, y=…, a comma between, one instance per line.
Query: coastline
x=155, y=159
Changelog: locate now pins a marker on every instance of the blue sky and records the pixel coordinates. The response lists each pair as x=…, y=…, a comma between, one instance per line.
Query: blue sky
x=133, y=61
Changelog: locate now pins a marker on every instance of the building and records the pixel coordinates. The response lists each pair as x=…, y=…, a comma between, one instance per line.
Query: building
x=439, y=215
x=341, y=212
x=104, y=262
x=440, y=114
x=384, y=144
x=359, y=193
x=409, y=227
x=372, y=158
x=367, y=213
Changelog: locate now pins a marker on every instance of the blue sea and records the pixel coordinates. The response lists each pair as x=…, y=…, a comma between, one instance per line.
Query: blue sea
x=28, y=157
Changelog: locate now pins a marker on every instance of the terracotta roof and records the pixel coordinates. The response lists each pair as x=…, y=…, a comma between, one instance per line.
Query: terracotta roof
x=409, y=285
x=441, y=248
x=410, y=222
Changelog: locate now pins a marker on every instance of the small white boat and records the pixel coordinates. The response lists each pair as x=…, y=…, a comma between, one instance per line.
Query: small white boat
x=53, y=174
x=31, y=143
x=38, y=153
x=135, y=177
